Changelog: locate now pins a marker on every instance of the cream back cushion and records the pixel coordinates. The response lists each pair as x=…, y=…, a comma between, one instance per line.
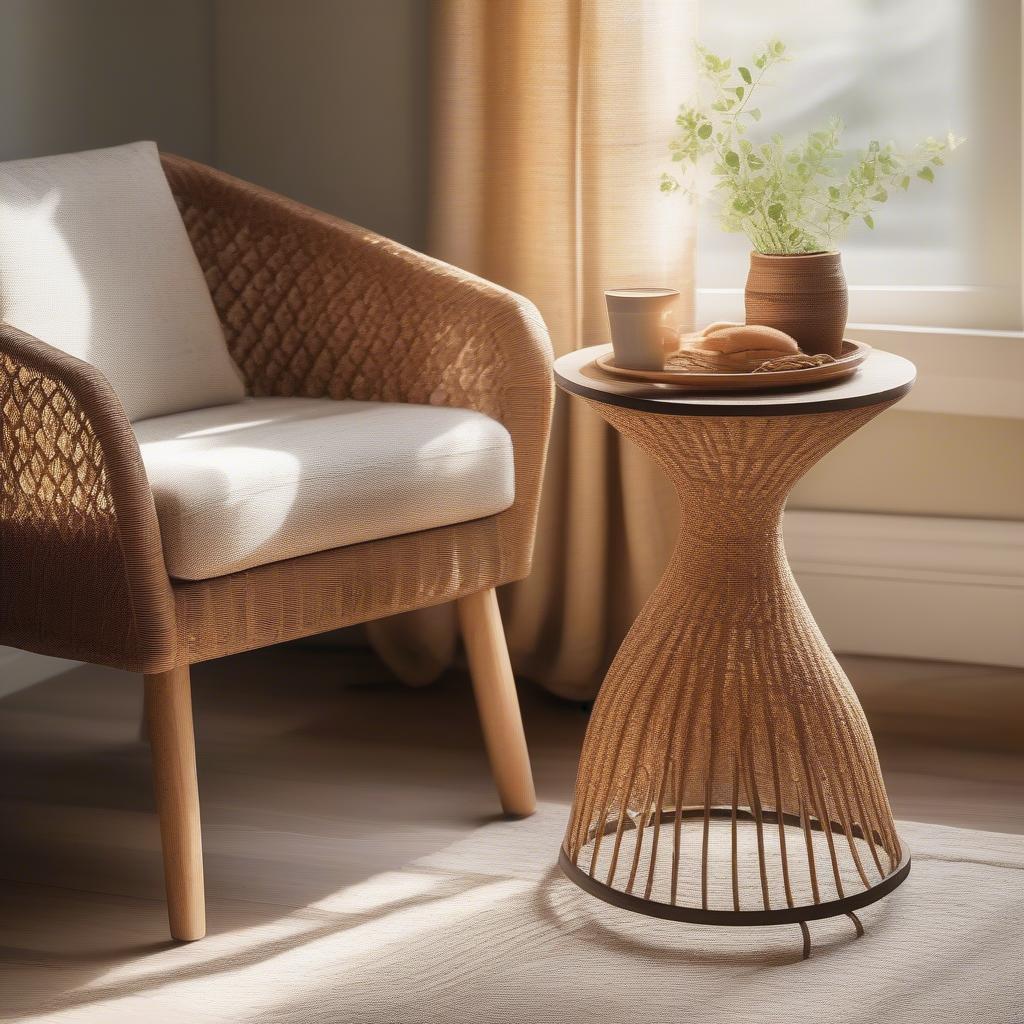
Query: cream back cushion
x=95, y=260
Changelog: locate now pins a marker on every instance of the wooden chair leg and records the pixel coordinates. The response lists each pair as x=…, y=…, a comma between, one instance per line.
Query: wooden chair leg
x=496, y=701
x=169, y=715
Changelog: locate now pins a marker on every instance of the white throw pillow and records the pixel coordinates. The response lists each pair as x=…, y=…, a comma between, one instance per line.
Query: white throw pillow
x=95, y=260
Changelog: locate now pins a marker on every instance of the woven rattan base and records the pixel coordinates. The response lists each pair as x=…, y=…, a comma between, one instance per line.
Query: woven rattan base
x=728, y=775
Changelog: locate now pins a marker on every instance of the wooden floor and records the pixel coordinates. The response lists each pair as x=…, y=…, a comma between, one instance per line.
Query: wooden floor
x=292, y=740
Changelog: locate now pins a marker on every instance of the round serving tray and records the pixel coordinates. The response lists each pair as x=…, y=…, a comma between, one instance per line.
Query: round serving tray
x=854, y=353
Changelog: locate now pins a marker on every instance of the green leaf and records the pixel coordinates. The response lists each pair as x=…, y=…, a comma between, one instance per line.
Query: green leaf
x=927, y=173
x=755, y=162
x=732, y=159
x=905, y=183
x=869, y=220
x=880, y=196
x=739, y=90
x=745, y=75
x=704, y=131
x=834, y=192
x=775, y=211
x=755, y=114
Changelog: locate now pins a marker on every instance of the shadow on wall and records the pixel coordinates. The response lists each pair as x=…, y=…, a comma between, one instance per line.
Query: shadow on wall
x=338, y=115
x=79, y=75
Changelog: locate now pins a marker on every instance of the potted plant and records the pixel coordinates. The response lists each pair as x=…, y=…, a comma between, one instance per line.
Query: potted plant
x=795, y=203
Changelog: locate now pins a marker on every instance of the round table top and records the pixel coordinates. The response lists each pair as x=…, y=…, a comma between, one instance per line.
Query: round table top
x=882, y=377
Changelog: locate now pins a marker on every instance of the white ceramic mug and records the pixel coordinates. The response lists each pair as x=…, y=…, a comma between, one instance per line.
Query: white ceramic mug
x=636, y=316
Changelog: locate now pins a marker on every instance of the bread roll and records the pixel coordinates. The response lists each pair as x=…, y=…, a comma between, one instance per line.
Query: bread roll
x=731, y=348
x=734, y=338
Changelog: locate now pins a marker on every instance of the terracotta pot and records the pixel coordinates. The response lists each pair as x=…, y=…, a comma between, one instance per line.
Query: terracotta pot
x=804, y=295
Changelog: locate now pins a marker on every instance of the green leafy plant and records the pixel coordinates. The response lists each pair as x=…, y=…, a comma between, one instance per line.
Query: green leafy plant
x=785, y=200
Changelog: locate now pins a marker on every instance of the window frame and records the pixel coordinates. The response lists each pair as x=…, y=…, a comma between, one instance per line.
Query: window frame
x=976, y=369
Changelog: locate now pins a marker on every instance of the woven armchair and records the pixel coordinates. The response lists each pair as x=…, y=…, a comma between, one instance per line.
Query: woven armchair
x=311, y=307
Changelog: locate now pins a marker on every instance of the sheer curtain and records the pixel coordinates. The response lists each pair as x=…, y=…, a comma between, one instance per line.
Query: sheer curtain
x=551, y=120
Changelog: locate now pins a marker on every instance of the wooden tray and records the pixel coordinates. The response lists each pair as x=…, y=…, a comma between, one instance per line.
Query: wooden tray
x=854, y=353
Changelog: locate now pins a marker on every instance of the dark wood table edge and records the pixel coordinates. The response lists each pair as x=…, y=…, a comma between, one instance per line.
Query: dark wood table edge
x=658, y=407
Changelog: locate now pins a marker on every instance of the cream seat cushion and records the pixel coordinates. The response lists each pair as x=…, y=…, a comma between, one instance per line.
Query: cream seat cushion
x=271, y=478
x=95, y=261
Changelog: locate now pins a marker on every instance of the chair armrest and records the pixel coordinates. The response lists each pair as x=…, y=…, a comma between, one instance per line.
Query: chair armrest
x=314, y=306
x=82, y=573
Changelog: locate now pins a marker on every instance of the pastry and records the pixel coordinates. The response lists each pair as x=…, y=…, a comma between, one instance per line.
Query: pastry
x=731, y=348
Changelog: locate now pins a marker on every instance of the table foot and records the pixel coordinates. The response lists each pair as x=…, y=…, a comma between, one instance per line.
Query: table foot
x=806, y=934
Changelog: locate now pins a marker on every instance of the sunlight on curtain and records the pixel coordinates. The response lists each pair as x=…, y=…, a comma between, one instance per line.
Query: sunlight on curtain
x=551, y=121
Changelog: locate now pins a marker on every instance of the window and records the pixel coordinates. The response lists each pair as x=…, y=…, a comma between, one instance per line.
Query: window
x=946, y=255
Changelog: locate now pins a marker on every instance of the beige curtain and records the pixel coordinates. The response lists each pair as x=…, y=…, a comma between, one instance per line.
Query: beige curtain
x=551, y=120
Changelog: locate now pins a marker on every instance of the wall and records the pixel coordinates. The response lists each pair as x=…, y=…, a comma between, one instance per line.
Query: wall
x=326, y=101
x=923, y=464
x=80, y=74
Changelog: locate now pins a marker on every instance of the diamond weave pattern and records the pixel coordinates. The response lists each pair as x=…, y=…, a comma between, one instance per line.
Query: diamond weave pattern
x=63, y=584
x=315, y=307
x=52, y=457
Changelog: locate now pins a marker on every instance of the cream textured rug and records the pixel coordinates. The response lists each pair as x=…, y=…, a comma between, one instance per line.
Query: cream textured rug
x=353, y=876
x=486, y=930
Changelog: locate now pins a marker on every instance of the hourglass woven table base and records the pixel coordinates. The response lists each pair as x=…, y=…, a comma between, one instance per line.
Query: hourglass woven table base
x=728, y=775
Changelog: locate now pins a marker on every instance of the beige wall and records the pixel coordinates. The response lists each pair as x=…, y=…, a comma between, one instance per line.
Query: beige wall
x=80, y=74
x=326, y=101
x=923, y=464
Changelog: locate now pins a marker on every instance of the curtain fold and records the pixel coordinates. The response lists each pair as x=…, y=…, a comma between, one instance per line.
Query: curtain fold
x=551, y=120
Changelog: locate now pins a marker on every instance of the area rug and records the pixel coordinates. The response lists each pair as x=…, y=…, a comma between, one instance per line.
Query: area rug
x=487, y=930
x=355, y=874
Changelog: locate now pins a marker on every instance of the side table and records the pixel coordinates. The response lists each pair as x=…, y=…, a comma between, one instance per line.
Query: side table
x=728, y=775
